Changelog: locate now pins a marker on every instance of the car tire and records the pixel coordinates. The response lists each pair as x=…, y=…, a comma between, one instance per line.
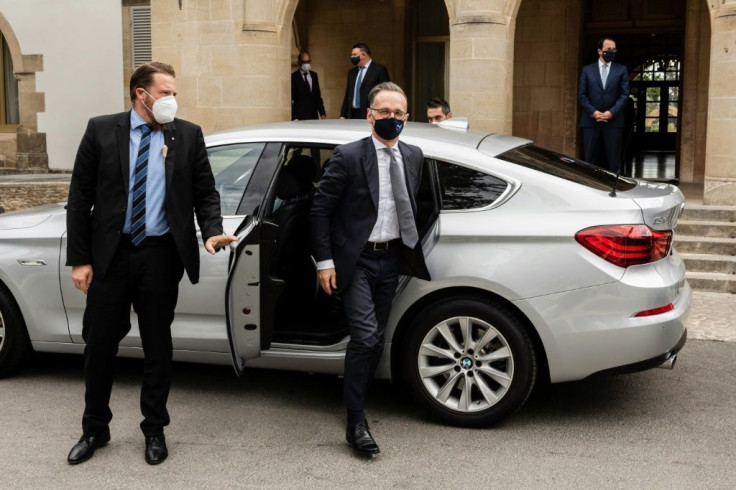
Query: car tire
x=14, y=343
x=496, y=361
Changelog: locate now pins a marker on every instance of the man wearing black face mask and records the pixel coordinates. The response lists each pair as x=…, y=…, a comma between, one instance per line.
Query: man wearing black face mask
x=365, y=75
x=603, y=90
x=364, y=235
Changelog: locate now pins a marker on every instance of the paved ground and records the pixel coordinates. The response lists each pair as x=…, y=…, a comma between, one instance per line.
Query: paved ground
x=270, y=429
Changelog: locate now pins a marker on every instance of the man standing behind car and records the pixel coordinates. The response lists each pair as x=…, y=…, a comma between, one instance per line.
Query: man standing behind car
x=137, y=177
x=364, y=235
x=306, y=97
x=603, y=90
x=365, y=75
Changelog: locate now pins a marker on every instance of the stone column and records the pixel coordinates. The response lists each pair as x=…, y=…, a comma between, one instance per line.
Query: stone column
x=720, y=156
x=481, y=63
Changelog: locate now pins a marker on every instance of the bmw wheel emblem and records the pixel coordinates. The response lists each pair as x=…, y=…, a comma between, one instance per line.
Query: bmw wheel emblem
x=466, y=363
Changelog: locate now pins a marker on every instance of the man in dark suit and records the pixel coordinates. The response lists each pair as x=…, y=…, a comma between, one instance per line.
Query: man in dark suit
x=603, y=90
x=138, y=177
x=306, y=97
x=364, y=235
x=365, y=75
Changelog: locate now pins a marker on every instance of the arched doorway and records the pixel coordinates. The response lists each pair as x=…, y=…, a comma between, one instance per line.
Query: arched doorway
x=650, y=37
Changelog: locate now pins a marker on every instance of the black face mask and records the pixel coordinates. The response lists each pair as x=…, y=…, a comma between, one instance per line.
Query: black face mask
x=608, y=56
x=389, y=128
x=355, y=60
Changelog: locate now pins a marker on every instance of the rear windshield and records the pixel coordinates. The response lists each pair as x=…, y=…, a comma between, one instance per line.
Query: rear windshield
x=566, y=167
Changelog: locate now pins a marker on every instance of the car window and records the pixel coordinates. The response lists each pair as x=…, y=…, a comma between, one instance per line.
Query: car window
x=426, y=198
x=232, y=166
x=464, y=188
x=565, y=167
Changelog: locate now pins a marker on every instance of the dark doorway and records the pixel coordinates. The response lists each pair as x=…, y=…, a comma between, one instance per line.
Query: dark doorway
x=650, y=38
x=430, y=29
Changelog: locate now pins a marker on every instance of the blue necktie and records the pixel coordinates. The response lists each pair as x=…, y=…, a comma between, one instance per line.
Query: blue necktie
x=138, y=215
x=359, y=81
x=604, y=75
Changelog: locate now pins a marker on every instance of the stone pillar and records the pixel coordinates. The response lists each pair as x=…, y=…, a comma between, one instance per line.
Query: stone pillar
x=481, y=63
x=720, y=157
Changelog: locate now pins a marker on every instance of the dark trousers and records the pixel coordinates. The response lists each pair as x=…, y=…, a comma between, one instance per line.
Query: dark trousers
x=602, y=144
x=146, y=277
x=357, y=113
x=367, y=302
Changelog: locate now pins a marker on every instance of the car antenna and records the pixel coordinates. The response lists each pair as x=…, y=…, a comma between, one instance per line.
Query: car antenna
x=615, y=183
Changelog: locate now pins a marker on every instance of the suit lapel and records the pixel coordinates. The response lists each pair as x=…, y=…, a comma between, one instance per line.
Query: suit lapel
x=170, y=142
x=123, y=139
x=370, y=167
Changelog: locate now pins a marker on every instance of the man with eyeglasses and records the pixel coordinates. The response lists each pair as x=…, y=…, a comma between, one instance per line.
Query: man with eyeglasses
x=364, y=235
x=306, y=96
x=603, y=90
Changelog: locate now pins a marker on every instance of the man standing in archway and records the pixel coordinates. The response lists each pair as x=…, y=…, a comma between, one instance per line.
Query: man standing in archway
x=365, y=75
x=603, y=90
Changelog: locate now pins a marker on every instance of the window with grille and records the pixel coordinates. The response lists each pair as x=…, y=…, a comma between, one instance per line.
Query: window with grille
x=140, y=35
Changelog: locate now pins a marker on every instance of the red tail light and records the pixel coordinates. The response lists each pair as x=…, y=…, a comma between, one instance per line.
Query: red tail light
x=656, y=311
x=626, y=245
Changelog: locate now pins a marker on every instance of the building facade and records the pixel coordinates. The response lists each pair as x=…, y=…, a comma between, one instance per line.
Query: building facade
x=510, y=66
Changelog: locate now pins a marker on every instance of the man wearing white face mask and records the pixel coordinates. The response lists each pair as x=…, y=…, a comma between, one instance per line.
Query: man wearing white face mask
x=137, y=178
x=306, y=97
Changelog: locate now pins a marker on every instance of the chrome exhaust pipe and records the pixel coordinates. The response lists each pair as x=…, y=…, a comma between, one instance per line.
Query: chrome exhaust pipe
x=669, y=363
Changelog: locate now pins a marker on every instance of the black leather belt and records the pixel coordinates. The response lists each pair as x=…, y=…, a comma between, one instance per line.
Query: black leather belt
x=380, y=246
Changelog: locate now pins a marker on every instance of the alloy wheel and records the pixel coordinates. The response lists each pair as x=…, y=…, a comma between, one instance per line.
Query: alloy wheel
x=465, y=364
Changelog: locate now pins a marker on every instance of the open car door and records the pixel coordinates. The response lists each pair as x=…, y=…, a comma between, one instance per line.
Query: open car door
x=242, y=296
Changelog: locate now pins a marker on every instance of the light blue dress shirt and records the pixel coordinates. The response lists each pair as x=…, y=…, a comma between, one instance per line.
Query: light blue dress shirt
x=156, y=223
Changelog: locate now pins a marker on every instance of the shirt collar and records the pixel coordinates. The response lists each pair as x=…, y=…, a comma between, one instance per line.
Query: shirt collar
x=136, y=120
x=601, y=63
x=367, y=64
x=380, y=146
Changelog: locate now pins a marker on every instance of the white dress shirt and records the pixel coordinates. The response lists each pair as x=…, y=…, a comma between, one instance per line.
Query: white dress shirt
x=387, y=221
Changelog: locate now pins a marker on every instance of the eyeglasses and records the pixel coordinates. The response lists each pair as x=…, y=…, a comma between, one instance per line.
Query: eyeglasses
x=384, y=113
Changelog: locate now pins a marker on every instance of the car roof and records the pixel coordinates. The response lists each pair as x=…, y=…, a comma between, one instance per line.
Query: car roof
x=340, y=131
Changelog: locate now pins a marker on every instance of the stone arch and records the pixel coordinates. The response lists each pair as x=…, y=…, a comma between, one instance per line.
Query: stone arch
x=26, y=149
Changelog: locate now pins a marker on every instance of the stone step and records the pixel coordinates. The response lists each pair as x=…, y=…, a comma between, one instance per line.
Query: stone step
x=705, y=245
x=722, y=229
x=697, y=212
x=711, y=281
x=723, y=264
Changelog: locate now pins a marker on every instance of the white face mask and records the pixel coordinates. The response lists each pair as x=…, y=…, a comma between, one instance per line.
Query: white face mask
x=164, y=109
x=306, y=67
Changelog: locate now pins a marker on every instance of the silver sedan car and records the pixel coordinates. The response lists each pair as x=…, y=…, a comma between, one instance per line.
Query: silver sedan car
x=544, y=268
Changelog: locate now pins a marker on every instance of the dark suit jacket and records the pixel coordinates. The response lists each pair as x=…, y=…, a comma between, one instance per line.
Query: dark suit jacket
x=374, y=75
x=305, y=103
x=593, y=97
x=345, y=207
x=98, y=195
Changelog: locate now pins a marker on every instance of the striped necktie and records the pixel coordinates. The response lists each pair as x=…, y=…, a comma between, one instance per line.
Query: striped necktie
x=138, y=215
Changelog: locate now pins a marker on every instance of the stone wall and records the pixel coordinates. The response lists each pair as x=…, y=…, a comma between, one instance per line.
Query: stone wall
x=21, y=195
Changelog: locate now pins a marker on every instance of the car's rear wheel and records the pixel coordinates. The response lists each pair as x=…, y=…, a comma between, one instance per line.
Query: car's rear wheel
x=14, y=343
x=469, y=361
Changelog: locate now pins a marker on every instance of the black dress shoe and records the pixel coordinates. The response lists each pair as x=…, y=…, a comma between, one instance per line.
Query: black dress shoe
x=361, y=440
x=85, y=448
x=156, y=451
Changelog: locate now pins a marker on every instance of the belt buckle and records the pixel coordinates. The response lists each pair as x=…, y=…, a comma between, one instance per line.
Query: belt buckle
x=380, y=246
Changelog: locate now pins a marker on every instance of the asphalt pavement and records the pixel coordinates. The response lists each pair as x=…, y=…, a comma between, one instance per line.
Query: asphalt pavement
x=275, y=429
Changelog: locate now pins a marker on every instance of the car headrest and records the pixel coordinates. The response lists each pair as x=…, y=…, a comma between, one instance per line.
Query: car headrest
x=305, y=170
x=287, y=186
